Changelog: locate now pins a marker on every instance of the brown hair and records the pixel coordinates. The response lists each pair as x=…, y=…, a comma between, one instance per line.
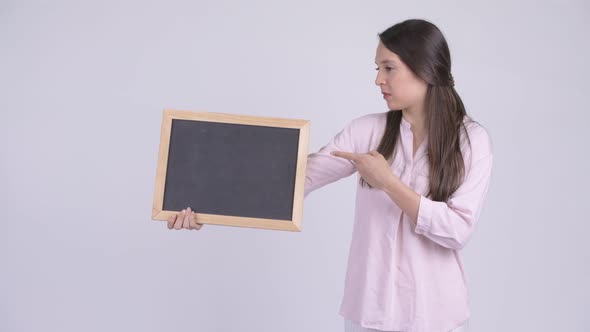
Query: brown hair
x=423, y=48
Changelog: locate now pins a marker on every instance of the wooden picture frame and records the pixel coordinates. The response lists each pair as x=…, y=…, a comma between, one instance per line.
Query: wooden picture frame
x=287, y=130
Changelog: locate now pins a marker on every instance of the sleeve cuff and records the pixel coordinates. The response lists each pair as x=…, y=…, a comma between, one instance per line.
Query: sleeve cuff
x=424, y=220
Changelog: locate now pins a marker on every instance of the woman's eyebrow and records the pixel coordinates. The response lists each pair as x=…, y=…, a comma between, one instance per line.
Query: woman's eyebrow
x=387, y=61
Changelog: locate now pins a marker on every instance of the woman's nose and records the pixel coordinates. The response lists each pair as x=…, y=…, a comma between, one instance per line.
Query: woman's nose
x=379, y=79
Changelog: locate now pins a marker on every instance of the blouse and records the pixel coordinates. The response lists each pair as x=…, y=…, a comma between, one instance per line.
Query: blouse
x=401, y=276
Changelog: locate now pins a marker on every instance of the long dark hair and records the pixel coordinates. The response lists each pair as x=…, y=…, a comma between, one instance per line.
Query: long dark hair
x=423, y=48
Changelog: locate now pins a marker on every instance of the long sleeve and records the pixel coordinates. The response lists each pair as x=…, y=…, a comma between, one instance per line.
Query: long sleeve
x=324, y=168
x=451, y=223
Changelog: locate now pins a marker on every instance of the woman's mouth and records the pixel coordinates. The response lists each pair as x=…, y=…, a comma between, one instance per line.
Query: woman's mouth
x=386, y=95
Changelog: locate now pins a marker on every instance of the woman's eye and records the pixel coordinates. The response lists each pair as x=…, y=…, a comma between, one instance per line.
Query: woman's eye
x=386, y=68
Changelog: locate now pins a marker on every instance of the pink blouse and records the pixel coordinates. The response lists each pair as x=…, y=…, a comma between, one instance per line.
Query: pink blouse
x=402, y=277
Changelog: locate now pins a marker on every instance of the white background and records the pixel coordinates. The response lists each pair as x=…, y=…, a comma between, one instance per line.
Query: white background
x=82, y=89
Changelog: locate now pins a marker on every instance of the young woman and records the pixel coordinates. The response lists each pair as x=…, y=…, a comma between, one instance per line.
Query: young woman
x=424, y=169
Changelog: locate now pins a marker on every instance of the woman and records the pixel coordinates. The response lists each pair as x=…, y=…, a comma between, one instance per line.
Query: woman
x=424, y=169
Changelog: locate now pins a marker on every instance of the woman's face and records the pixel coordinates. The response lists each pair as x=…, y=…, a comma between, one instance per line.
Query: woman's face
x=401, y=88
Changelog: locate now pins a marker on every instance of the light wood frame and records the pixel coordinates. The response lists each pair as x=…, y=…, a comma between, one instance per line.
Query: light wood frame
x=303, y=125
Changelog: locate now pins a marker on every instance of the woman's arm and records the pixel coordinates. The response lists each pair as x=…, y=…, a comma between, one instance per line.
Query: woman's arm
x=324, y=168
x=450, y=223
x=404, y=197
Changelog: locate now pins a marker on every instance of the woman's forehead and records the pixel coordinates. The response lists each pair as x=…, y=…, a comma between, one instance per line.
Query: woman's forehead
x=384, y=55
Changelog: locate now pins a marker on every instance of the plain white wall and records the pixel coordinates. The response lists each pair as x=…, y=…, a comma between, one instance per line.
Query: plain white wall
x=83, y=86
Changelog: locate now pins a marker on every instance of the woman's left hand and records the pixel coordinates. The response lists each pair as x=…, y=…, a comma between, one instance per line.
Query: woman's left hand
x=372, y=166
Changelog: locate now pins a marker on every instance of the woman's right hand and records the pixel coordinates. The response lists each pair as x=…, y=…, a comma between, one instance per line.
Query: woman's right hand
x=186, y=219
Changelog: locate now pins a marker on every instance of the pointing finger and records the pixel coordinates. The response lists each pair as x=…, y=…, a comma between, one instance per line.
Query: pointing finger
x=346, y=155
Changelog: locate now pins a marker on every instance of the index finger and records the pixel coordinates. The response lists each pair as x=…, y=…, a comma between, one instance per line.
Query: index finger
x=346, y=155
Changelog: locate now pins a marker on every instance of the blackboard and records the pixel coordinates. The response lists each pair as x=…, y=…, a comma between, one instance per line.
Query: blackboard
x=231, y=169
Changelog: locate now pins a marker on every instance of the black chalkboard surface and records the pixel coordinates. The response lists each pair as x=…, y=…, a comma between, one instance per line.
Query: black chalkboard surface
x=232, y=170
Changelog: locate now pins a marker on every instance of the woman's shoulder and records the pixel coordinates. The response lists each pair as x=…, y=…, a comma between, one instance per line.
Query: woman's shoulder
x=370, y=125
x=370, y=119
x=368, y=130
x=479, y=144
